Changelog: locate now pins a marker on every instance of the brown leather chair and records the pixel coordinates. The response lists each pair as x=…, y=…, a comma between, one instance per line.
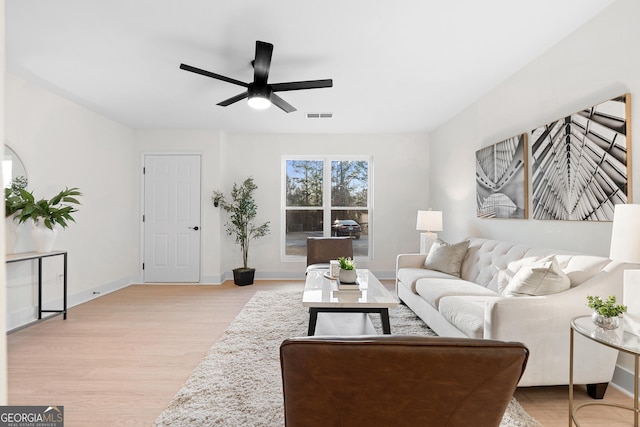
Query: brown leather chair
x=398, y=380
x=320, y=250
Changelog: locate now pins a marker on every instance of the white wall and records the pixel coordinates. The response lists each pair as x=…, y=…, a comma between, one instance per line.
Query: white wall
x=63, y=144
x=401, y=183
x=596, y=63
x=400, y=189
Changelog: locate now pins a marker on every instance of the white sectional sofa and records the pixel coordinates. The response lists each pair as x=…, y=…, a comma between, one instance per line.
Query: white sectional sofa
x=472, y=305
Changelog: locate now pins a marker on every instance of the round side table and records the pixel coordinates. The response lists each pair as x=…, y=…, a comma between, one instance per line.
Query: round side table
x=616, y=339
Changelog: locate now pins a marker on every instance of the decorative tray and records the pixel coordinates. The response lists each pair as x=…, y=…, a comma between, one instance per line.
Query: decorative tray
x=329, y=276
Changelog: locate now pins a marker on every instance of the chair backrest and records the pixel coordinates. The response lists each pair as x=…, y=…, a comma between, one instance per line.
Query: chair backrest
x=321, y=250
x=397, y=380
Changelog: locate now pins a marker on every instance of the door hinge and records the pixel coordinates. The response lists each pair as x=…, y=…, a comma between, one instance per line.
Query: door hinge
x=144, y=170
x=143, y=265
x=142, y=217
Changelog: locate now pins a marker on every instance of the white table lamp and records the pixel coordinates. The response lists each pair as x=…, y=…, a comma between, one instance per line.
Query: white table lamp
x=625, y=247
x=428, y=221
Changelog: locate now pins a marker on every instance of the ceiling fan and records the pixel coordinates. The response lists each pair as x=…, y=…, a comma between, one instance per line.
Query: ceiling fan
x=261, y=94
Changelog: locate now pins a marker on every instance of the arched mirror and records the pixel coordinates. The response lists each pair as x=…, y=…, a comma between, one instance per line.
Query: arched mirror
x=12, y=168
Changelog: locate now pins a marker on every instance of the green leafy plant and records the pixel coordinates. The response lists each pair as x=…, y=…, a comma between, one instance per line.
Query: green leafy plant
x=50, y=212
x=242, y=210
x=347, y=263
x=606, y=308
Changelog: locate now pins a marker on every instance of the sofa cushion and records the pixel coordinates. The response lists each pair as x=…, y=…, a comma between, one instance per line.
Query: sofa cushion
x=445, y=257
x=542, y=277
x=465, y=313
x=409, y=276
x=432, y=290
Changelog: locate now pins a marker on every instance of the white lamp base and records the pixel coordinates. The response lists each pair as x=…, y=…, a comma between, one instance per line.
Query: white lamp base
x=631, y=298
x=426, y=240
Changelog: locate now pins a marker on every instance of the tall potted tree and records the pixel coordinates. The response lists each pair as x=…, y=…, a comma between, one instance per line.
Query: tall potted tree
x=242, y=210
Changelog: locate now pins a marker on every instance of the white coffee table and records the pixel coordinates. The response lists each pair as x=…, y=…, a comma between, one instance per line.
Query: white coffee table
x=321, y=295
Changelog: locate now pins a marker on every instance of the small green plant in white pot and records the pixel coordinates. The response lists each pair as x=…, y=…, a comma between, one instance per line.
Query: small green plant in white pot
x=606, y=313
x=347, y=270
x=46, y=214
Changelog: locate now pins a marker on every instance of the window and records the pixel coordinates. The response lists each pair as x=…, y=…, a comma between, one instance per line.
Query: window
x=326, y=196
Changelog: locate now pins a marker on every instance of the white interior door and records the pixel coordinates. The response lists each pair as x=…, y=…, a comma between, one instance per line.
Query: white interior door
x=171, y=218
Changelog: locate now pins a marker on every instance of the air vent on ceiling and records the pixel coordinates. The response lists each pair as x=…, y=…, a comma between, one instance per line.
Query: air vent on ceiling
x=319, y=115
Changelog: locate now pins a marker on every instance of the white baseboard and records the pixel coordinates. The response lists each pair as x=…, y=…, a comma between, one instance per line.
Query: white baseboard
x=212, y=280
x=97, y=291
x=21, y=317
x=623, y=380
x=18, y=319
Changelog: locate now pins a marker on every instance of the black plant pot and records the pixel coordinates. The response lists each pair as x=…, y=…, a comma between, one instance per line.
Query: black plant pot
x=243, y=276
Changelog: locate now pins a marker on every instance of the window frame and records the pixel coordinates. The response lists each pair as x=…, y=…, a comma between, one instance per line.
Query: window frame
x=326, y=207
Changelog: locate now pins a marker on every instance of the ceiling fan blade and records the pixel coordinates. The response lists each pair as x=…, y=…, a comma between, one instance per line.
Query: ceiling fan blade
x=309, y=84
x=282, y=104
x=262, y=63
x=233, y=99
x=213, y=75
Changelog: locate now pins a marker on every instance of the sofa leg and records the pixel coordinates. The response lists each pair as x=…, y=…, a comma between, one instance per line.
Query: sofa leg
x=596, y=391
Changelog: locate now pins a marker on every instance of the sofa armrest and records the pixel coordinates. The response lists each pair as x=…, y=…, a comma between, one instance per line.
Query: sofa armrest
x=410, y=261
x=542, y=323
x=554, y=310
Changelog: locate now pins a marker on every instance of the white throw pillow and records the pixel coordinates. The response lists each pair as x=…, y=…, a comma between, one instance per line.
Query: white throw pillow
x=446, y=258
x=543, y=277
x=504, y=278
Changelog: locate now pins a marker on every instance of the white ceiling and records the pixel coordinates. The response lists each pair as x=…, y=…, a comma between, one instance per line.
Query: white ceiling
x=397, y=66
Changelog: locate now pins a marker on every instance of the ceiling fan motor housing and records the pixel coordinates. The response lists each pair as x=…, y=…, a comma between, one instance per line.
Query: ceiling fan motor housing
x=263, y=91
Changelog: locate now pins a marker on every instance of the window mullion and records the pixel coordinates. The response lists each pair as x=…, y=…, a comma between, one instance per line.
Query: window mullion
x=326, y=196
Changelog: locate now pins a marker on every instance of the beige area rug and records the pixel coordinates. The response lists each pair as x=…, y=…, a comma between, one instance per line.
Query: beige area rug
x=238, y=383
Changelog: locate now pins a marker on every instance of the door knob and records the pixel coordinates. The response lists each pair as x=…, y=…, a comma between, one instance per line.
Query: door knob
x=195, y=228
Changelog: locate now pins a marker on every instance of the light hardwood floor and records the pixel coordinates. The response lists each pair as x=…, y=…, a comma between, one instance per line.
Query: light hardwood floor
x=118, y=360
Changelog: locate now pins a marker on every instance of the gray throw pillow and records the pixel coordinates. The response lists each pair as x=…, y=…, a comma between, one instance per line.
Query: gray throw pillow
x=446, y=258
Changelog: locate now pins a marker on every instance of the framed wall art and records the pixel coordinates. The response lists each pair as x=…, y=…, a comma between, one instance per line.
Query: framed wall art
x=581, y=163
x=501, y=179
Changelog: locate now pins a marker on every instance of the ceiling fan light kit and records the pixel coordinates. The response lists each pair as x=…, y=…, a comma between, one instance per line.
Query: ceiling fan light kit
x=259, y=97
x=261, y=94
x=259, y=102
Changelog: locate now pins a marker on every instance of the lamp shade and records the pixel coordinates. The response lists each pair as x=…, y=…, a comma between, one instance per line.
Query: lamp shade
x=625, y=235
x=429, y=221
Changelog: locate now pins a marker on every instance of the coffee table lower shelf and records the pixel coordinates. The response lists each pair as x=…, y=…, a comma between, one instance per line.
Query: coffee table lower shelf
x=313, y=316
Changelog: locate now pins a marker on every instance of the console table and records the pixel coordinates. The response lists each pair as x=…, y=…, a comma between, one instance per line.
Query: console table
x=616, y=339
x=10, y=258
